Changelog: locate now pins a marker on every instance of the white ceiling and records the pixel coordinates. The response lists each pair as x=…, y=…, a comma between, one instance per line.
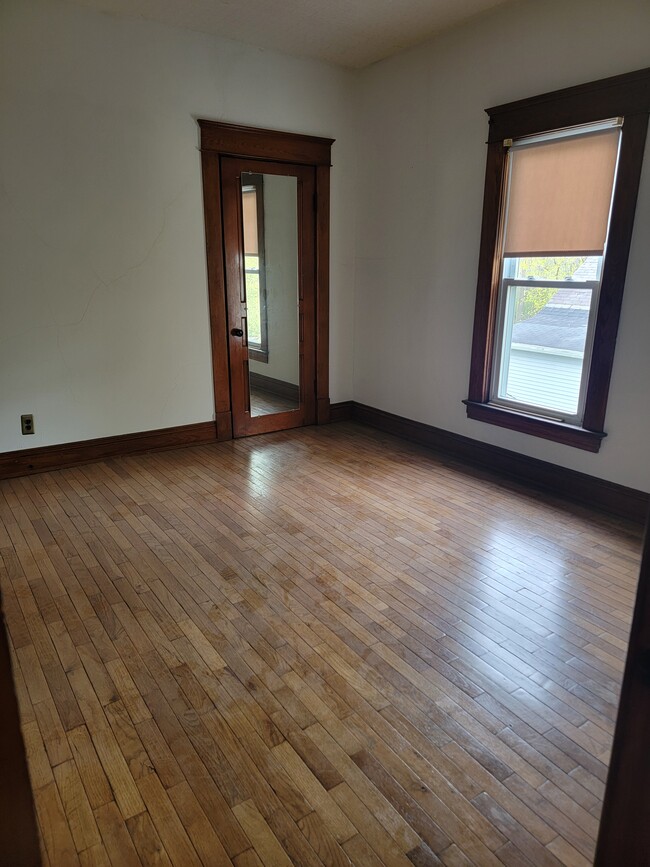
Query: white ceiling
x=351, y=33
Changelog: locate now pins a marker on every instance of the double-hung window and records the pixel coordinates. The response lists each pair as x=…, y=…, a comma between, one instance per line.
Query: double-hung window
x=561, y=188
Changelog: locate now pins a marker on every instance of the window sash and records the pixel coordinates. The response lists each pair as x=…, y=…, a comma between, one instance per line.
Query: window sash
x=503, y=343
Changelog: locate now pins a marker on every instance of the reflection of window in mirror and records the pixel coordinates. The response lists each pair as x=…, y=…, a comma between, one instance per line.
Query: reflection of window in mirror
x=254, y=267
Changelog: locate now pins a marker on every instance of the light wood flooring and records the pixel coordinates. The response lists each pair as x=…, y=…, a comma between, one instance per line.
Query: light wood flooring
x=324, y=646
x=266, y=402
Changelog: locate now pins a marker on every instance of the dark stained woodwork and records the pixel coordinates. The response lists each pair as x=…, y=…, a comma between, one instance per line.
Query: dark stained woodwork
x=588, y=491
x=568, y=435
x=221, y=141
x=322, y=292
x=615, y=268
x=18, y=833
x=217, y=302
x=325, y=646
x=618, y=96
x=37, y=460
x=342, y=411
x=624, y=836
x=626, y=96
x=244, y=423
x=235, y=140
x=485, y=310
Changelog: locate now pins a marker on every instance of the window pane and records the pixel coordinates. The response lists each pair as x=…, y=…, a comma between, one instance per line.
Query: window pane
x=254, y=313
x=544, y=339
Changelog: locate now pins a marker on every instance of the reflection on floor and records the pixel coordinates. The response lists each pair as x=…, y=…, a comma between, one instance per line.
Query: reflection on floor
x=265, y=402
x=323, y=646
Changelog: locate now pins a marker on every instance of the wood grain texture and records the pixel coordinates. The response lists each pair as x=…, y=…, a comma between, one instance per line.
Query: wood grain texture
x=588, y=491
x=37, y=460
x=625, y=836
x=237, y=140
x=323, y=646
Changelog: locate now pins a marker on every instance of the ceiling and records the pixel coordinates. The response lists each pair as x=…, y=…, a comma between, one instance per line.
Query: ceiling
x=350, y=33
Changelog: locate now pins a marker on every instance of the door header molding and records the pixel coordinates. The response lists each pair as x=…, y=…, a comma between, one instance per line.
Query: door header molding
x=231, y=139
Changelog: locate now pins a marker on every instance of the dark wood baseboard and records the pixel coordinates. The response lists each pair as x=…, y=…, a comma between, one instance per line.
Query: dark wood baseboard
x=38, y=460
x=586, y=490
x=275, y=386
x=341, y=411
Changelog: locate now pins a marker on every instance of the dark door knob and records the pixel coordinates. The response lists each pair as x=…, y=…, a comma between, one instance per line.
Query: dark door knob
x=236, y=332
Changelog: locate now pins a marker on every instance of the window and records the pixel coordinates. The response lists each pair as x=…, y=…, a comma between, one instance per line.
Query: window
x=561, y=186
x=254, y=266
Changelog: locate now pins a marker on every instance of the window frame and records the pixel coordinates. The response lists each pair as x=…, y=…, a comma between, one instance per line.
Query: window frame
x=626, y=96
x=504, y=328
x=259, y=351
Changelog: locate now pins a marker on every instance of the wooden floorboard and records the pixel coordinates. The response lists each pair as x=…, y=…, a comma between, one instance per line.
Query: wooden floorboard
x=324, y=646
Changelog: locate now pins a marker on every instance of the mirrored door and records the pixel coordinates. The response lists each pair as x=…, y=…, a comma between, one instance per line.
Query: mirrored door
x=269, y=248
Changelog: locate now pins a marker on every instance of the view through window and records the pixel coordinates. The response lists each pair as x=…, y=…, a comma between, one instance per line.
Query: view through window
x=557, y=212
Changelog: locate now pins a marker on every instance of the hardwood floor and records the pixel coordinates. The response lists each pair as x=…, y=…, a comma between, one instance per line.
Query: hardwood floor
x=323, y=646
x=264, y=402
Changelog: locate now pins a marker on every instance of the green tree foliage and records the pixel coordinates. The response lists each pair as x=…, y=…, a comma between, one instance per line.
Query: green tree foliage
x=531, y=300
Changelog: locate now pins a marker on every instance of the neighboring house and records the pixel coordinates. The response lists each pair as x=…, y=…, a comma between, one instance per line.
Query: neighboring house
x=547, y=349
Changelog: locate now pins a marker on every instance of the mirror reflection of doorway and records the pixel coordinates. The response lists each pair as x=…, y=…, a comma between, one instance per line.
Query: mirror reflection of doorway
x=270, y=236
x=270, y=269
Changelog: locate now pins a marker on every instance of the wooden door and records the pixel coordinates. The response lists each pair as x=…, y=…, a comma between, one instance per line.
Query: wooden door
x=269, y=247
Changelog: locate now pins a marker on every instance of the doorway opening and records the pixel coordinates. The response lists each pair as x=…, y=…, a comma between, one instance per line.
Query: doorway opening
x=266, y=204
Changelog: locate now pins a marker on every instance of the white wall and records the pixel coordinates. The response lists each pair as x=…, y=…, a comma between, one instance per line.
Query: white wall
x=103, y=302
x=103, y=298
x=420, y=188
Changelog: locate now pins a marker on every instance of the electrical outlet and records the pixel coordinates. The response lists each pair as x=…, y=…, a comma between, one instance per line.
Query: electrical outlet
x=27, y=424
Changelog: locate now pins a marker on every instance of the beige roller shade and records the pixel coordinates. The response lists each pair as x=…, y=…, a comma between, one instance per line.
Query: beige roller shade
x=249, y=208
x=560, y=194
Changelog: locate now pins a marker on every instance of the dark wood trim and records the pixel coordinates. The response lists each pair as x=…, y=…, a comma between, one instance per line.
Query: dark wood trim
x=235, y=140
x=626, y=96
x=341, y=411
x=322, y=293
x=211, y=172
x=224, y=426
x=26, y=461
x=617, y=96
x=222, y=140
x=581, y=488
x=18, y=834
x=485, y=310
x=615, y=268
x=624, y=833
x=275, y=386
x=547, y=429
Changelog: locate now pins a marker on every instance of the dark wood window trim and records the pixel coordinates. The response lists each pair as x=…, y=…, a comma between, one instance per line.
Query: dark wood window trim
x=626, y=96
x=220, y=140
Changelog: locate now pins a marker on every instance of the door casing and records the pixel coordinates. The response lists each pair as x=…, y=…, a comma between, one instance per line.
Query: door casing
x=218, y=141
